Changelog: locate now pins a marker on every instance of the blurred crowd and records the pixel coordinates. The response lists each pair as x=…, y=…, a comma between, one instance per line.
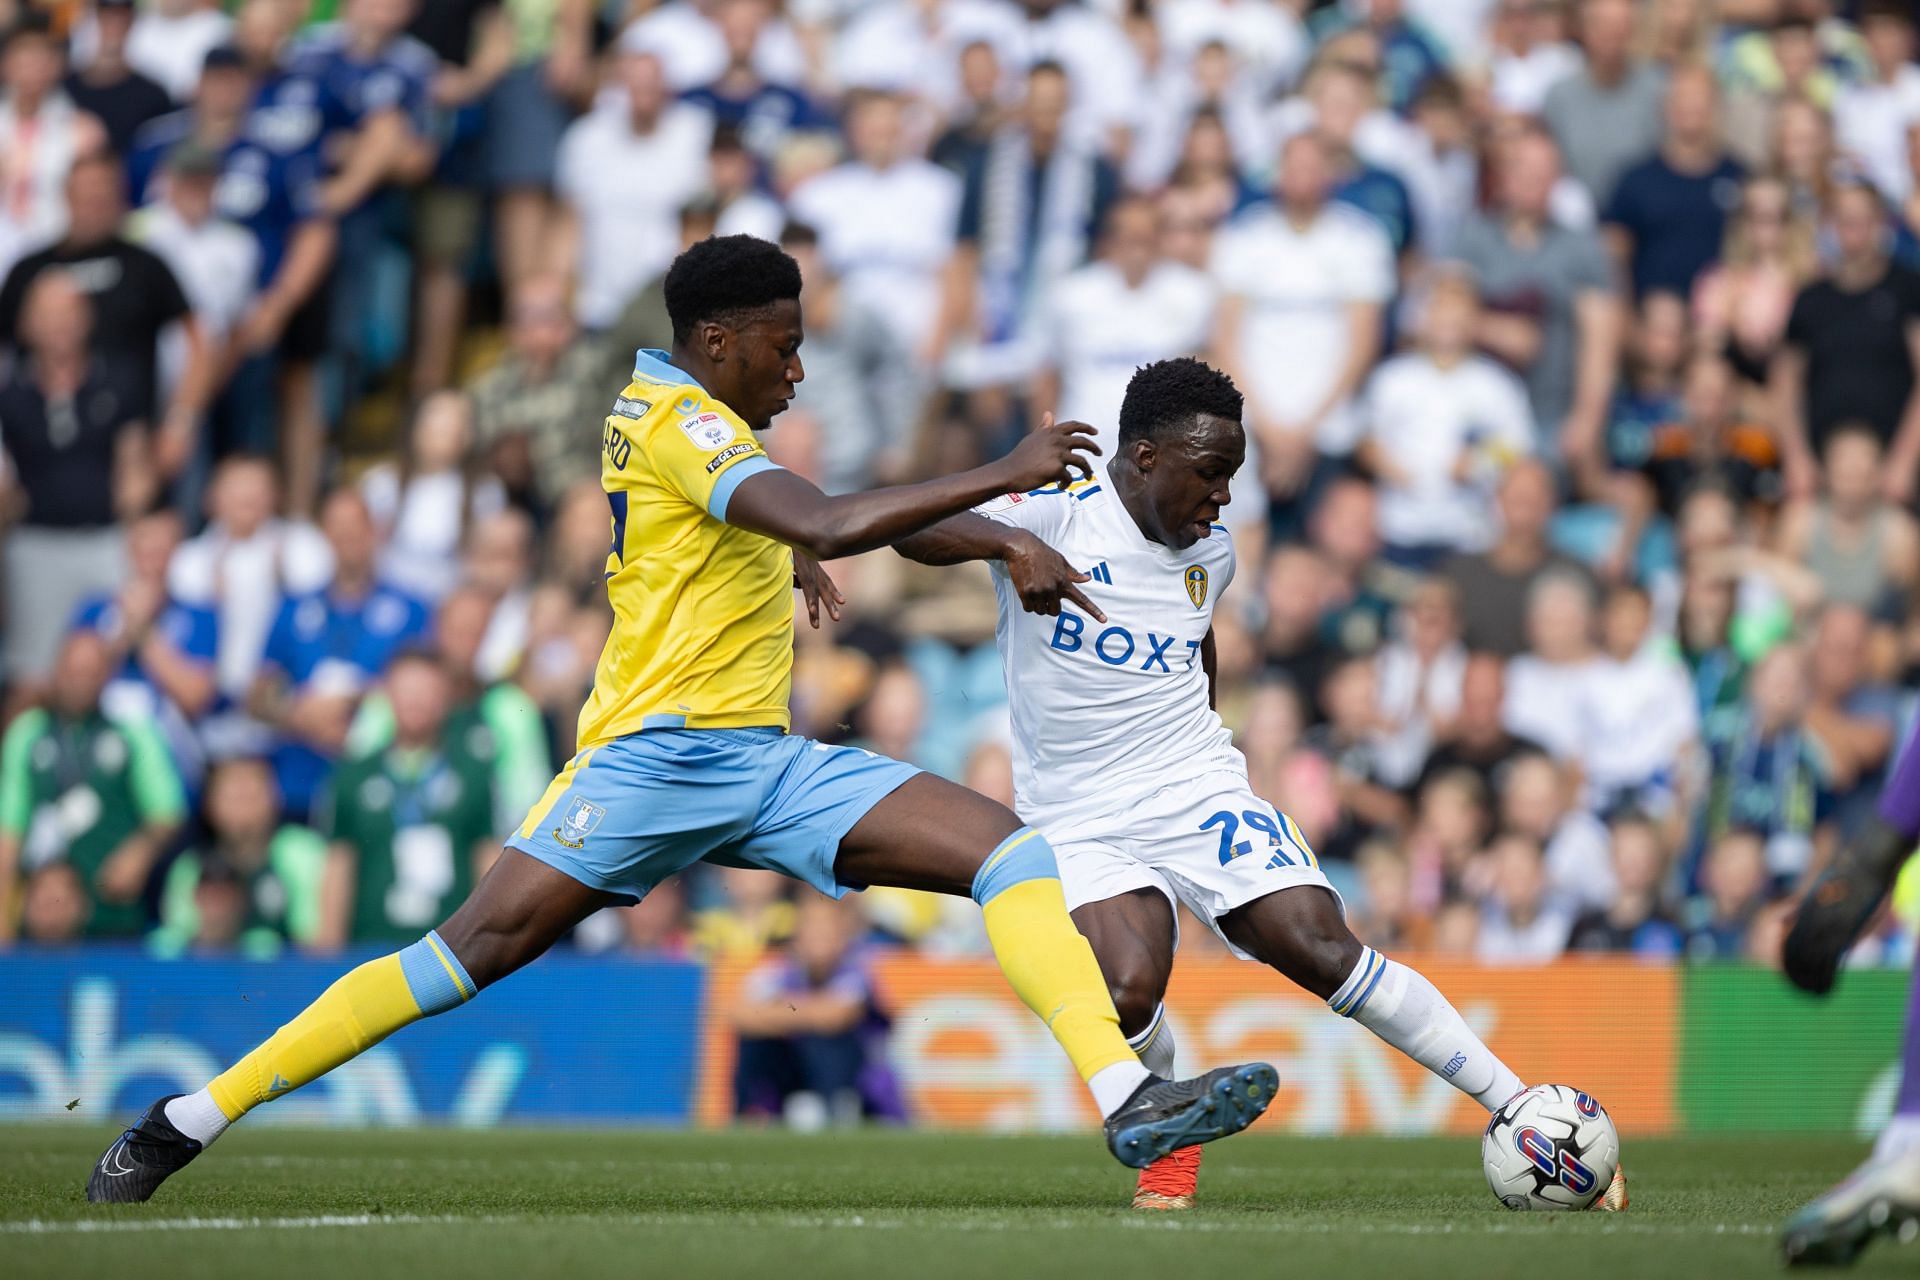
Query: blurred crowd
x=1577, y=537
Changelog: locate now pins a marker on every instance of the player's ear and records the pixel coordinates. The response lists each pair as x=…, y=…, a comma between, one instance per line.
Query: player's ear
x=715, y=340
x=1144, y=455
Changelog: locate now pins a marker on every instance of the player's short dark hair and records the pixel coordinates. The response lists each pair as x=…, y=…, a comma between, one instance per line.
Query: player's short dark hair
x=1172, y=393
x=723, y=278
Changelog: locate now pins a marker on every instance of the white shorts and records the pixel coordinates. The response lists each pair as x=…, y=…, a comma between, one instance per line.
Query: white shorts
x=1208, y=842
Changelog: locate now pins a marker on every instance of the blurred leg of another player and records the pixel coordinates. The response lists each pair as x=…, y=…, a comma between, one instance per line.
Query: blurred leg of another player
x=1883, y=1194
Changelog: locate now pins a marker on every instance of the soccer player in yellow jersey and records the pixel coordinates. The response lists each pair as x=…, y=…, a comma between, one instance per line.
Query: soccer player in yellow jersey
x=684, y=754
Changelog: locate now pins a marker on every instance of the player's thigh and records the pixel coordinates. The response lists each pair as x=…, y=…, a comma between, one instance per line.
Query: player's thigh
x=926, y=834
x=520, y=908
x=1132, y=935
x=1299, y=931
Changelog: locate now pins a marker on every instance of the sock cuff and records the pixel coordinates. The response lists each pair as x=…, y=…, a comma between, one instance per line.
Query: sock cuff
x=1144, y=1041
x=1354, y=992
x=1024, y=855
x=435, y=975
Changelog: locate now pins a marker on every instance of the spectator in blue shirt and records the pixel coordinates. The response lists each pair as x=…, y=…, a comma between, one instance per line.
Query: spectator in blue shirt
x=1768, y=776
x=764, y=113
x=1343, y=94
x=1409, y=56
x=326, y=649
x=163, y=649
x=1668, y=216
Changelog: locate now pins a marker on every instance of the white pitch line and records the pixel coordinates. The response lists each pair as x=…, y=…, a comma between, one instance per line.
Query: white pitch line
x=104, y=1226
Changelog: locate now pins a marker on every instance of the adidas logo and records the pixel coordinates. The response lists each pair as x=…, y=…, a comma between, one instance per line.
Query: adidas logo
x=1100, y=573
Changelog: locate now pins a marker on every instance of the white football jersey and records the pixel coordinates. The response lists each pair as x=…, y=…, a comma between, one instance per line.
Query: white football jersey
x=1104, y=711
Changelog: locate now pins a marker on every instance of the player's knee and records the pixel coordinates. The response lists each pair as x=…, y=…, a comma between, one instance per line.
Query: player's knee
x=1137, y=988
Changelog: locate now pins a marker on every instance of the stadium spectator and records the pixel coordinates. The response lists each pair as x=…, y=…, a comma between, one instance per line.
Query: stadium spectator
x=1735, y=887
x=171, y=39
x=1550, y=305
x=135, y=298
x=1539, y=799
x=55, y=906
x=1310, y=278
x=1668, y=214
x=733, y=187
x=473, y=46
x=1451, y=822
x=1387, y=914
x=1850, y=349
x=79, y=464
x=42, y=133
x=1768, y=68
x=1606, y=115
x=237, y=569
x=887, y=222
x=163, y=650
x=1130, y=306
x=1547, y=686
x=1420, y=672
x=1442, y=425
x=1637, y=921
x=1872, y=117
x=752, y=912
x=527, y=408
x=1475, y=738
x=1350, y=741
x=1638, y=724
x=1851, y=717
x=1530, y=55
x=812, y=1033
x=1768, y=777
x=1520, y=924
x=106, y=87
x=1741, y=304
x=423, y=505
x=1864, y=549
x=1499, y=581
x=1409, y=54
x=760, y=111
x=410, y=827
x=79, y=787
x=1366, y=146
x=252, y=884
x=215, y=260
x=623, y=172
x=527, y=114
x=326, y=647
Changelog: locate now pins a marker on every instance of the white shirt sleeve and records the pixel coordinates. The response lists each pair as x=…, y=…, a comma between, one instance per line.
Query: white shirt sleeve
x=1044, y=514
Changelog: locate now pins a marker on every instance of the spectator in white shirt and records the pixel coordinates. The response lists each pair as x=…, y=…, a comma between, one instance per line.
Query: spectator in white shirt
x=625, y=169
x=690, y=46
x=1131, y=306
x=1537, y=800
x=239, y=567
x=1442, y=424
x=170, y=41
x=1521, y=924
x=1303, y=284
x=216, y=261
x=423, y=505
x=1268, y=40
x=1641, y=716
x=886, y=220
x=1547, y=685
x=1421, y=673
x=1529, y=56
x=1871, y=119
x=41, y=132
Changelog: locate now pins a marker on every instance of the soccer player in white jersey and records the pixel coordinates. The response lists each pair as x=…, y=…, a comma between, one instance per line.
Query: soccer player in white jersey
x=1107, y=590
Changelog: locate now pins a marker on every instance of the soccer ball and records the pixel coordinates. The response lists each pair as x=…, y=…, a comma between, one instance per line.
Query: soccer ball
x=1550, y=1147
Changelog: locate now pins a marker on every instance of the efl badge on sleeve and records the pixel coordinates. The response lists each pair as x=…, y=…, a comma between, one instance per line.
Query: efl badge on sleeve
x=708, y=431
x=1196, y=579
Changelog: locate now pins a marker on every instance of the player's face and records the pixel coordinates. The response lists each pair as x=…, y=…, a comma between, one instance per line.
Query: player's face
x=1188, y=478
x=765, y=364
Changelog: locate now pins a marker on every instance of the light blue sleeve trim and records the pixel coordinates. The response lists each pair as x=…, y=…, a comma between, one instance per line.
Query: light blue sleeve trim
x=724, y=487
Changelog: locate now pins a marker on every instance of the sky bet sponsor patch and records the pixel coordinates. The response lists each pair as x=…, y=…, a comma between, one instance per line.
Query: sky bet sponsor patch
x=708, y=431
x=727, y=455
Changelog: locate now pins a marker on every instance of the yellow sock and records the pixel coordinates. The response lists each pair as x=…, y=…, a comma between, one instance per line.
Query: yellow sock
x=1046, y=961
x=357, y=1012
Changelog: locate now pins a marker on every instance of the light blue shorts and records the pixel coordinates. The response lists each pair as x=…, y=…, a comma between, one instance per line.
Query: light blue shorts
x=625, y=816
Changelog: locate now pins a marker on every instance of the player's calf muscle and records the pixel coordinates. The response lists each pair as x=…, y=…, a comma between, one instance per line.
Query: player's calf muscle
x=1299, y=933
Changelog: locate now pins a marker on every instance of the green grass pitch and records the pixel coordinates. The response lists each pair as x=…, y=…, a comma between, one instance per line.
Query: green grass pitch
x=775, y=1206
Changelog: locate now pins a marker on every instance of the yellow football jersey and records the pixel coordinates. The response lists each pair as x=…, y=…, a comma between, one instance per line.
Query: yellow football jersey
x=703, y=612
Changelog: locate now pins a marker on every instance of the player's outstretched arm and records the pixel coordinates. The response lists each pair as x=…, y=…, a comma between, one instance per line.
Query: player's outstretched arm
x=781, y=505
x=1040, y=575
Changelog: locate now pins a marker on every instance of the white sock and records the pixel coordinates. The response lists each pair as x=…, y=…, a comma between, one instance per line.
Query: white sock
x=1899, y=1140
x=1155, y=1045
x=1409, y=1013
x=1113, y=1085
x=198, y=1116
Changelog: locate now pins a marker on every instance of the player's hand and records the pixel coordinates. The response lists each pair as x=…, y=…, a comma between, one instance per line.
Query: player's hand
x=817, y=588
x=1043, y=578
x=1051, y=454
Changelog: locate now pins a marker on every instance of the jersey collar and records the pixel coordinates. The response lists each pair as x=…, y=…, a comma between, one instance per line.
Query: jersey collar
x=657, y=365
